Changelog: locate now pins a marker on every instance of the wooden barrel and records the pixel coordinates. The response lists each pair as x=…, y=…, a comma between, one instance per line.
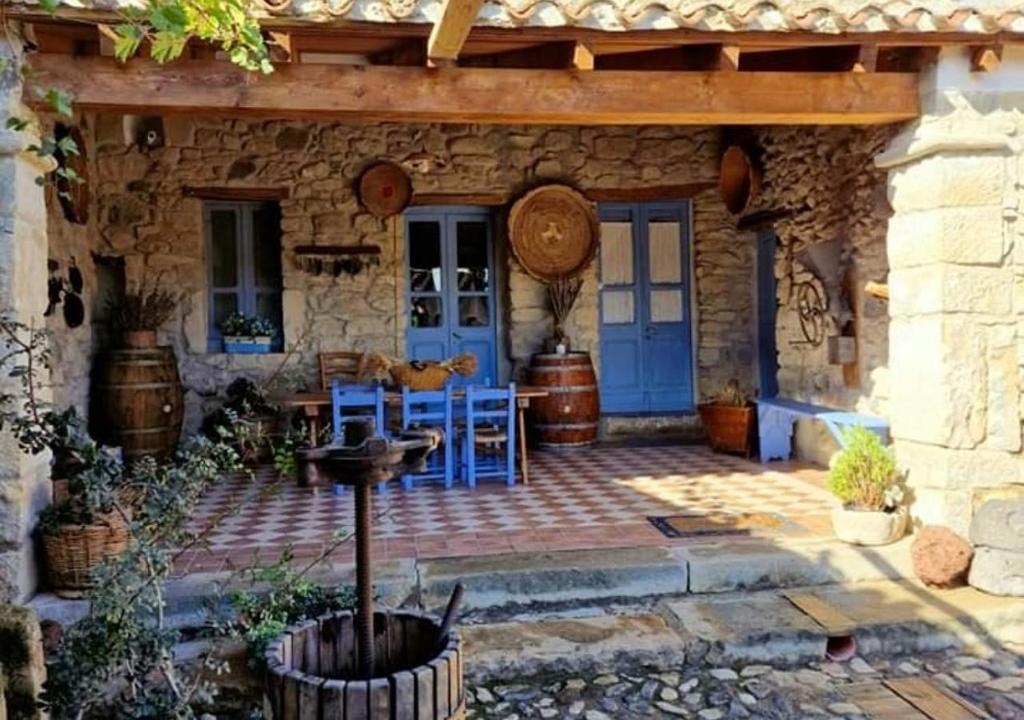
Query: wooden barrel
x=568, y=416
x=139, y=402
x=312, y=671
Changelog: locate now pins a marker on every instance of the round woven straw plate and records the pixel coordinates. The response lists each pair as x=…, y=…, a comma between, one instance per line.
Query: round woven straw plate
x=385, y=189
x=553, y=232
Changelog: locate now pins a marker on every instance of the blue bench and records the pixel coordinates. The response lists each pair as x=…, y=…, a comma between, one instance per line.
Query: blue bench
x=776, y=416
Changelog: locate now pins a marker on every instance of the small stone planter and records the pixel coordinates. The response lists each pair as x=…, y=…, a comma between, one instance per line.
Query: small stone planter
x=312, y=671
x=869, y=527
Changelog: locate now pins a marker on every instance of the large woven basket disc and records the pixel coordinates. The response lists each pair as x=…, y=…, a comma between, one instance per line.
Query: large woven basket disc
x=385, y=189
x=553, y=232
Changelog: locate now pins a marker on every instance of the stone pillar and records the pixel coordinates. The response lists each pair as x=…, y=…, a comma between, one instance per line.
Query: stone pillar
x=24, y=481
x=956, y=282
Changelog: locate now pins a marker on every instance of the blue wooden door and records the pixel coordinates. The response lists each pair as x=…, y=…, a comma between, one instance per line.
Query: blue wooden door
x=450, y=277
x=767, y=354
x=646, y=360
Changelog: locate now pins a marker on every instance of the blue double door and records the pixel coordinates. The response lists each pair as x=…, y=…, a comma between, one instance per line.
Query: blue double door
x=646, y=346
x=450, y=287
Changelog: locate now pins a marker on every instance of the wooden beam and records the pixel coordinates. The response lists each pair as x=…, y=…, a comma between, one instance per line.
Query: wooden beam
x=867, y=59
x=729, y=58
x=451, y=30
x=645, y=194
x=405, y=94
x=280, y=46
x=986, y=58
x=236, y=193
x=583, y=56
x=482, y=199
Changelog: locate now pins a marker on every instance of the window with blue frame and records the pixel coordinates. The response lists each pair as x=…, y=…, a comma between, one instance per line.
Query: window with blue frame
x=244, y=264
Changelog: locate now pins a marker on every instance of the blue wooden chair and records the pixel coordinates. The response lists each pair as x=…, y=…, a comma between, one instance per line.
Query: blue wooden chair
x=489, y=438
x=431, y=408
x=353, y=401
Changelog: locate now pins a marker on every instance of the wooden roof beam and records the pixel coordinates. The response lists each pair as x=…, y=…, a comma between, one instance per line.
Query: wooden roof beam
x=419, y=94
x=986, y=58
x=451, y=30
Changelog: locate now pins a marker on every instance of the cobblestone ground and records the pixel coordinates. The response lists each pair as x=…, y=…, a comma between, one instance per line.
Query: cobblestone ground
x=995, y=683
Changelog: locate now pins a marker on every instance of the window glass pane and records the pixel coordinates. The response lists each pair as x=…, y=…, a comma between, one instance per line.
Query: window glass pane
x=473, y=311
x=266, y=248
x=617, y=253
x=666, y=262
x=666, y=305
x=425, y=256
x=268, y=305
x=224, y=247
x=471, y=249
x=223, y=305
x=426, y=312
x=617, y=307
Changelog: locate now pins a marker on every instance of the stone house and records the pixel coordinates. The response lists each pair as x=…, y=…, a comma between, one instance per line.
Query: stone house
x=893, y=129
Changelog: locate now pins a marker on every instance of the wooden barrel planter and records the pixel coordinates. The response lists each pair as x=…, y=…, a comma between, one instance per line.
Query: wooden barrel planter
x=569, y=415
x=312, y=671
x=139, y=401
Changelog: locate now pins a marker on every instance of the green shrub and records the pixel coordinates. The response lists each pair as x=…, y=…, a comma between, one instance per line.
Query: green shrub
x=863, y=475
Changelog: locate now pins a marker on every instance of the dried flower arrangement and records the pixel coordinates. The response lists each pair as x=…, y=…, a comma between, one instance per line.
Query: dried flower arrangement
x=562, y=296
x=138, y=313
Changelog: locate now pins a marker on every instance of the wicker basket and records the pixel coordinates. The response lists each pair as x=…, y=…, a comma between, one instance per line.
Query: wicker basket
x=420, y=375
x=74, y=550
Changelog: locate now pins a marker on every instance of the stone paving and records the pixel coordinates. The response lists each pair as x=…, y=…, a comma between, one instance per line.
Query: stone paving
x=994, y=683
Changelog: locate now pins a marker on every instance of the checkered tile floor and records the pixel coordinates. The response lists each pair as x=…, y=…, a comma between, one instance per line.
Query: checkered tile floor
x=597, y=497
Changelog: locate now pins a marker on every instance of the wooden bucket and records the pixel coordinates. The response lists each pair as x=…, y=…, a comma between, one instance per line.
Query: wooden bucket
x=139, y=401
x=312, y=671
x=569, y=415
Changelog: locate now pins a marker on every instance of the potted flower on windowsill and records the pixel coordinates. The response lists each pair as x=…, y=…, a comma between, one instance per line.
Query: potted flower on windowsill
x=863, y=476
x=729, y=420
x=247, y=334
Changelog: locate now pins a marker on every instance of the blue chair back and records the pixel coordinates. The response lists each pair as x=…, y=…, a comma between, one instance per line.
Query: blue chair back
x=347, y=400
x=432, y=408
x=492, y=407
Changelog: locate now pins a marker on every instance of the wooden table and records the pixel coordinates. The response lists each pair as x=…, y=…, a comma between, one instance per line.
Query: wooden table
x=312, y=404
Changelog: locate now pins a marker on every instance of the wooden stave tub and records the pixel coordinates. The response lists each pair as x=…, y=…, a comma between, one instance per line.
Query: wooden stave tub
x=139, y=401
x=569, y=416
x=424, y=684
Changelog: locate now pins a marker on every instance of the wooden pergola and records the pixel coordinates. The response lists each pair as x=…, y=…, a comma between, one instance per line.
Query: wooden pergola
x=455, y=71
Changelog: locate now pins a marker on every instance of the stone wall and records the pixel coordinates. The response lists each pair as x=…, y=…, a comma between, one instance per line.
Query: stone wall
x=141, y=213
x=956, y=249
x=24, y=483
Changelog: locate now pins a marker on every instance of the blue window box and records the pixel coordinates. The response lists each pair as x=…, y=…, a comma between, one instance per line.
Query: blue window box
x=248, y=346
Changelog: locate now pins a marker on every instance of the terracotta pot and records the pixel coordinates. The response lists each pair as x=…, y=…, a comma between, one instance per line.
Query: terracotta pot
x=869, y=527
x=730, y=428
x=138, y=339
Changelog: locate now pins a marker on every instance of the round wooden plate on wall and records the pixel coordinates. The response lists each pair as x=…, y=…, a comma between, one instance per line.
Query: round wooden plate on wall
x=739, y=179
x=73, y=195
x=553, y=232
x=385, y=189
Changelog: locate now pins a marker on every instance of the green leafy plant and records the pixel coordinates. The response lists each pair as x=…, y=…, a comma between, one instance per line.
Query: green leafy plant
x=94, y=491
x=247, y=326
x=279, y=595
x=283, y=452
x=863, y=474
x=118, y=661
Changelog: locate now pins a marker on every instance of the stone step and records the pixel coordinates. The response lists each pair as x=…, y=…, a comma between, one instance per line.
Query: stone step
x=888, y=617
x=591, y=576
x=762, y=564
x=532, y=579
x=571, y=645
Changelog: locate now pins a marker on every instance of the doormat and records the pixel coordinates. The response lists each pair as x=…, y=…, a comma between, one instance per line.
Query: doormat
x=682, y=526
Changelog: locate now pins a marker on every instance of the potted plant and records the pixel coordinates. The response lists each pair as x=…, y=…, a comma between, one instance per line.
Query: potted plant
x=137, y=314
x=729, y=420
x=87, y=526
x=863, y=476
x=247, y=334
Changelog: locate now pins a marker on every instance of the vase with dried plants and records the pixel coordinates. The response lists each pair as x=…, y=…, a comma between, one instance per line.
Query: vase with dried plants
x=136, y=315
x=562, y=296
